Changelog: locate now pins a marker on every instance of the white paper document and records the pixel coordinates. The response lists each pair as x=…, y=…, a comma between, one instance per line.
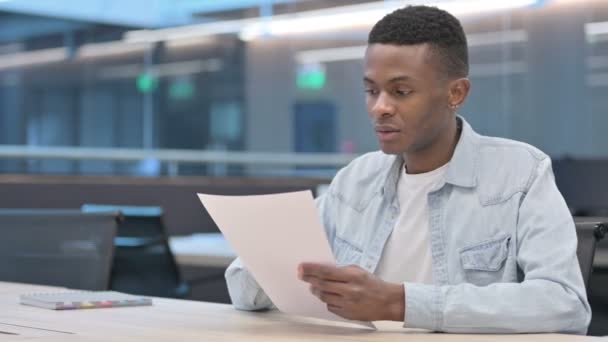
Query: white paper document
x=272, y=235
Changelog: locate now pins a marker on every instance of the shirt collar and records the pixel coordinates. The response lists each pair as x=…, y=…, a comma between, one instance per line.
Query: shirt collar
x=462, y=170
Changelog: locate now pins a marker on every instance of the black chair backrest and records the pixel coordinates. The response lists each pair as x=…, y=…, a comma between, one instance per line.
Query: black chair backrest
x=143, y=261
x=589, y=231
x=57, y=247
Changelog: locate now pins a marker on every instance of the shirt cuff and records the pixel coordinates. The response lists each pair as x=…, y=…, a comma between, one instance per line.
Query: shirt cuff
x=423, y=306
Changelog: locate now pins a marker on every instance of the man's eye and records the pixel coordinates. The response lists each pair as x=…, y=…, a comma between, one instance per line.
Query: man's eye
x=371, y=91
x=402, y=92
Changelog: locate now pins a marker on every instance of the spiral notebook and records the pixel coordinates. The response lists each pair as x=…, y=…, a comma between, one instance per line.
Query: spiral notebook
x=70, y=300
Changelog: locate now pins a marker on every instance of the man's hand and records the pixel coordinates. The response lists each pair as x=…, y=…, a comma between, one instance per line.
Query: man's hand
x=353, y=293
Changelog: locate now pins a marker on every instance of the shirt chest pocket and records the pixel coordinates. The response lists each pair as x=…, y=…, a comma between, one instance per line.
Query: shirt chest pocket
x=484, y=263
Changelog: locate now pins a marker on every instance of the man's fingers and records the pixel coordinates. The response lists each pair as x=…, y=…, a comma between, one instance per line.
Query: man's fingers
x=331, y=286
x=326, y=296
x=321, y=271
x=338, y=310
x=329, y=298
x=333, y=307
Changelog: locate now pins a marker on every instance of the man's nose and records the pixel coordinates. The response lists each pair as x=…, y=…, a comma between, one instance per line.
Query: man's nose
x=383, y=106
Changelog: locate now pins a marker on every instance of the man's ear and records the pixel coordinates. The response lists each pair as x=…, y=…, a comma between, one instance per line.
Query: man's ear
x=458, y=92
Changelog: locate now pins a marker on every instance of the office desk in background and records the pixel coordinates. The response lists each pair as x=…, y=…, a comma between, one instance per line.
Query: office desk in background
x=203, y=249
x=212, y=250
x=183, y=320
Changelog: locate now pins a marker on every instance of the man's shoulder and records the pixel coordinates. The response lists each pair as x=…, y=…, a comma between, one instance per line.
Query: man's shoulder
x=365, y=169
x=371, y=159
x=495, y=148
x=369, y=163
x=507, y=166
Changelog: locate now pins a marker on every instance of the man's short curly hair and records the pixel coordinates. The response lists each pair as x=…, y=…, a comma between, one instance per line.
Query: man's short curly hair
x=413, y=25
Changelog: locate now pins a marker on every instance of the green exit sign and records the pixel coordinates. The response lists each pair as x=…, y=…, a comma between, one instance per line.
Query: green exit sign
x=147, y=83
x=311, y=77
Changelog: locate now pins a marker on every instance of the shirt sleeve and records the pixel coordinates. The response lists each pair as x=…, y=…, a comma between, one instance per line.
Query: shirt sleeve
x=244, y=291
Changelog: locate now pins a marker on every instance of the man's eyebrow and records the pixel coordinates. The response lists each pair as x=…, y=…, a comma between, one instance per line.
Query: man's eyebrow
x=399, y=79
x=392, y=80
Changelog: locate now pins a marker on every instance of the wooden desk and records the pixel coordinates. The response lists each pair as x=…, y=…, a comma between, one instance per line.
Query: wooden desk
x=204, y=249
x=181, y=320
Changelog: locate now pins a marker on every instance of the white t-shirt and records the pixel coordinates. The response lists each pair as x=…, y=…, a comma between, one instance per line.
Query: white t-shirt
x=407, y=254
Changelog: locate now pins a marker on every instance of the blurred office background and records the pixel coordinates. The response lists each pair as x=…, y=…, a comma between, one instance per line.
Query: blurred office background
x=270, y=76
x=146, y=102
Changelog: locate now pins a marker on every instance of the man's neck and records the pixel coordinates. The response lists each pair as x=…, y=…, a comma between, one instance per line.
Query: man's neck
x=437, y=154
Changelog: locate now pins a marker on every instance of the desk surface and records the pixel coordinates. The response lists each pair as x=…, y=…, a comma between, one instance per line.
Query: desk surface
x=182, y=320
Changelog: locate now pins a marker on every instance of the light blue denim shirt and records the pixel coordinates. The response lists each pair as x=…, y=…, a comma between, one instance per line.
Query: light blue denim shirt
x=503, y=242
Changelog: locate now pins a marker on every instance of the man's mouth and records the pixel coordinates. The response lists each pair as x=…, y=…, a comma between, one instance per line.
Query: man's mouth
x=386, y=133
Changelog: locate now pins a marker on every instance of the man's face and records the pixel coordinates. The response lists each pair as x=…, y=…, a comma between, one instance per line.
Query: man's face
x=406, y=95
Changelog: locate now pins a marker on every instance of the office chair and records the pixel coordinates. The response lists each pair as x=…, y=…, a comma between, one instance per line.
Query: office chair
x=143, y=261
x=65, y=248
x=589, y=231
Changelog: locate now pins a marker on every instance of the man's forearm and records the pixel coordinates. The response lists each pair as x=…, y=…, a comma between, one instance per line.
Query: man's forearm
x=534, y=306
